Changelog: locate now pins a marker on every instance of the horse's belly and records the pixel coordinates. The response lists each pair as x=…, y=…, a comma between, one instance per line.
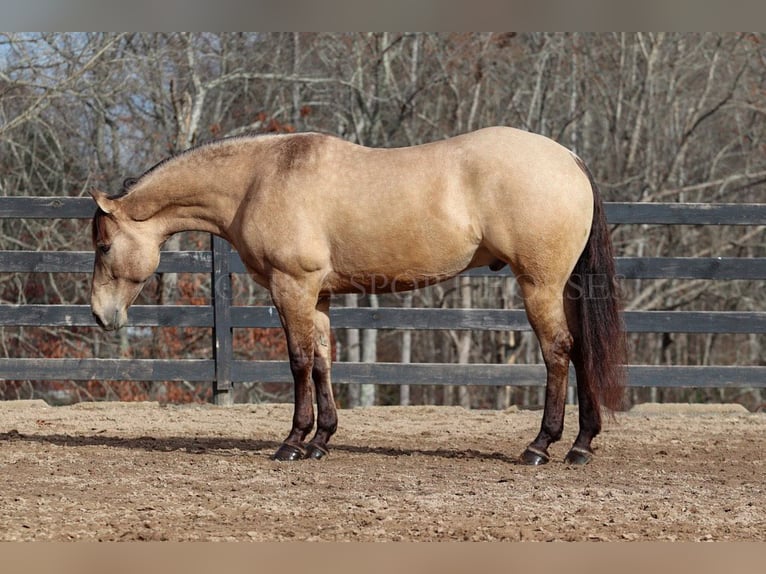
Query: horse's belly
x=370, y=282
x=405, y=273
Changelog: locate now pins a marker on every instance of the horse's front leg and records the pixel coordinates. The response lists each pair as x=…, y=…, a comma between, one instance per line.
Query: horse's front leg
x=327, y=416
x=295, y=301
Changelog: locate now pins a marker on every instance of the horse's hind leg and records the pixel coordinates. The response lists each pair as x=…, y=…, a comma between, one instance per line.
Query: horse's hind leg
x=587, y=397
x=589, y=415
x=545, y=310
x=327, y=416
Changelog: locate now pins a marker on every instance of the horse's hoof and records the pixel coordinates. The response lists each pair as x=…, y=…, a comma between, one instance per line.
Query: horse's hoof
x=289, y=452
x=578, y=456
x=534, y=457
x=314, y=451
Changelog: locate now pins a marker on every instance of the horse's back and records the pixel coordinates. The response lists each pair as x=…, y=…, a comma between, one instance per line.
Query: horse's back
x=485, y=170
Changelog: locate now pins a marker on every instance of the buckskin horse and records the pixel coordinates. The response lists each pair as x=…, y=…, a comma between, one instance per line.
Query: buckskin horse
x=313, y=215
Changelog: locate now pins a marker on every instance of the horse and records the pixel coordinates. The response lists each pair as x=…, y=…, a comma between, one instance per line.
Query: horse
x=313, y=215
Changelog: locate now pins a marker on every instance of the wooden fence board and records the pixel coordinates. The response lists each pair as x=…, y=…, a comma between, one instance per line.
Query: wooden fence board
x=203, y=370
x=714, y=268
x=380, y=318
x=200, y=370
x=616, y=212
x=500, y=375
x=82, y=262
x=686, y=213
x=80, y=315
x=717, y=268
x=47, y=208
x=511, y=320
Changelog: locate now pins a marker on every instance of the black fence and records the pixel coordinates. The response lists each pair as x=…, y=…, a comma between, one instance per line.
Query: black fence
x=222, y=370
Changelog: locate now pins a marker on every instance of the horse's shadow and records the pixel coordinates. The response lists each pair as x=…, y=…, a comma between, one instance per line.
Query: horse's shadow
x=225, y=446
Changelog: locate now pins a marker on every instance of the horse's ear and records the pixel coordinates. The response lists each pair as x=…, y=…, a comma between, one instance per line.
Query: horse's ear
x=128, y=183
x=104, y=202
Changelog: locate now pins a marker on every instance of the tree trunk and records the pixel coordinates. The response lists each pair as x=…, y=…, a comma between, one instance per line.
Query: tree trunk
x=464, y=342
x=406, y=353
x=369, y=355
x=352, y=353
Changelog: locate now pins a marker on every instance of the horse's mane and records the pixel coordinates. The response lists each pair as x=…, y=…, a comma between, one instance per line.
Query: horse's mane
x=128, y=183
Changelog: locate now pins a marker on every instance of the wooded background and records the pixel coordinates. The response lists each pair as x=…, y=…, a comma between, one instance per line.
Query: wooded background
x=657, y=117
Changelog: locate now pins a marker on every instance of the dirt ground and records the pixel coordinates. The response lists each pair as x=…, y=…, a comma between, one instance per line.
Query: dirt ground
x=142, y=471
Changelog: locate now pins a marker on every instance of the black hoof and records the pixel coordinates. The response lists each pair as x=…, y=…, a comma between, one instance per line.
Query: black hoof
x=534, y=457
x=578, y=456
x=288, y=452
x=315, y=451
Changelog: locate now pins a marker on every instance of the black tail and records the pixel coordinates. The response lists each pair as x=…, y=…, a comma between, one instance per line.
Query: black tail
x=601, y=334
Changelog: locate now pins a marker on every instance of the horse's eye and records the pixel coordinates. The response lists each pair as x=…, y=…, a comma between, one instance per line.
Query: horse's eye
x=104, y=248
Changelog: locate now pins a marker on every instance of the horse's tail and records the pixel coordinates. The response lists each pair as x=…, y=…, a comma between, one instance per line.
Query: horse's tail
x=600, y=333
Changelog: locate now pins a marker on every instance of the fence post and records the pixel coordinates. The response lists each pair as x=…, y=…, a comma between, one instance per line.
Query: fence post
x=223, y=347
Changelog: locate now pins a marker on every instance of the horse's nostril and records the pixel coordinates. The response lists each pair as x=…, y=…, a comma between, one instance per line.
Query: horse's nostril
x=98, y=319
x=102, y=323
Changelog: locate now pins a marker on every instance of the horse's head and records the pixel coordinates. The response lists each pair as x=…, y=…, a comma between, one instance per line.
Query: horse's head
x=127, y=254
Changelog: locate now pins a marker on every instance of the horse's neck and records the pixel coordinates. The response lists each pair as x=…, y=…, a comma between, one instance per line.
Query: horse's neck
x=181, y=200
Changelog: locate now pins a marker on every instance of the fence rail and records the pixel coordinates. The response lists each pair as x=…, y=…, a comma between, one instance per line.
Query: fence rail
x=222, y=370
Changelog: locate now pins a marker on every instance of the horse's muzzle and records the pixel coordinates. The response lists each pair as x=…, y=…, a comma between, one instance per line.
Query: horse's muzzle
x=110, y=321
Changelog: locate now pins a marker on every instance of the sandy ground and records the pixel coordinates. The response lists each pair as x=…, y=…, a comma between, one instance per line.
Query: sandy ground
x=141, y=471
